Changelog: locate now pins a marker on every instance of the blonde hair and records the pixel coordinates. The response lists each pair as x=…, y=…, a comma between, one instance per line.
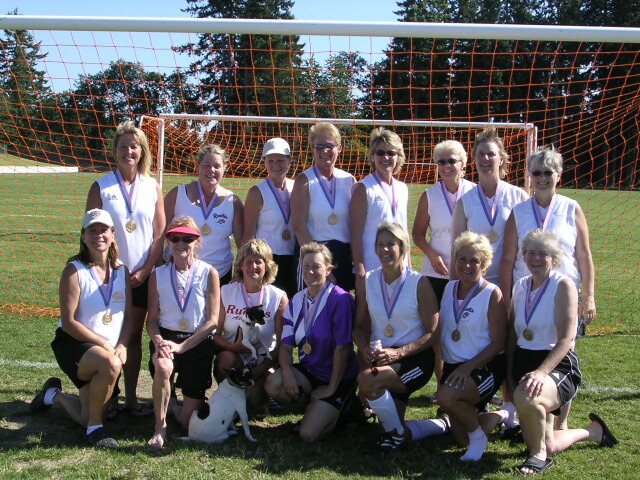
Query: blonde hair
x=479, y=242
x=326, y=128
x=129, y=126
x=491, y=135
x=451, y=146
x=380, y=136
x=213, y=149
x=257, y=248
x=316, y=247
x=545, y=157
x=397, y=231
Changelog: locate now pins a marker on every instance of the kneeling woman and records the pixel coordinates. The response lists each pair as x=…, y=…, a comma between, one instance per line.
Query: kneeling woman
x=184, y=297
x=318, y=321
x=401, y=311
x=542, y=369
x=94, y=328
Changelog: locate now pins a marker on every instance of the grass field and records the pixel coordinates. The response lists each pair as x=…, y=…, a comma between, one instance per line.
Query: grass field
x=40, y=214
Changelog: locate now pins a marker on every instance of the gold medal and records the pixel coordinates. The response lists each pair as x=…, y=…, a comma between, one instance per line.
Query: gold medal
x=492, y=236
x=131, y=226
x=306, y=348
x=183, y=324
x=388, y=331
x=286, y=235
x=333, y=219
x=456, y=335
x=527, y=334
x=205, y=230
x=107, y=318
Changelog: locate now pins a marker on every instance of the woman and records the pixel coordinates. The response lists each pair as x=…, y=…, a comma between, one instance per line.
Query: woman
x=267, y=212
x=254, y=270
x=134, y=201
x=400, y=311
x=183, y=312
x=377, y=197
x=435, y=210
x=318, y=321
x=543, y=371
x=94, y=330
x=485, y=208
x=218, y=212
x=322, y=195
x=473, y=327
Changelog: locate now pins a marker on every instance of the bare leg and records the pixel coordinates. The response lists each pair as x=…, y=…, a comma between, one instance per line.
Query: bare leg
x=319, y=420
x=561, y=422
x=134, y=358
x=161, y=394
x=183, y=413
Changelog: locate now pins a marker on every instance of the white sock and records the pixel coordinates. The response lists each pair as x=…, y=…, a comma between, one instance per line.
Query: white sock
x=50, y=395
x=477, y=444
x=426, y=428
x=93, y=428
x=385, y=409
x=508, y=412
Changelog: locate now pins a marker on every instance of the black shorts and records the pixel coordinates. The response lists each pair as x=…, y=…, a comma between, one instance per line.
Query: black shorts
x=438, y=285
x=343, y=395
x=414, y=371
x=286, y=278
x=343, y=272
x=140, y=295
x=68, y=352
x=226, y=278
x=566, y=375
x=487, y=378
x=193, y=366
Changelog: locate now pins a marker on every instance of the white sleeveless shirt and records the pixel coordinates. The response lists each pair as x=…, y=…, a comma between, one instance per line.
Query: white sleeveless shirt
x=271, y=222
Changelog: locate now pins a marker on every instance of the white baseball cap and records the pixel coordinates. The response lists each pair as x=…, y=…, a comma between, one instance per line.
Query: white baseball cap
x=97, y=216
x=276, y=145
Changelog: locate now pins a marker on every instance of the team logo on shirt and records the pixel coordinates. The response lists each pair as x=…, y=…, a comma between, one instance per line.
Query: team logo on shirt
x=117, y=297
x=219, y=218
x=378, y=198
x=113, y=196
x=467, y=312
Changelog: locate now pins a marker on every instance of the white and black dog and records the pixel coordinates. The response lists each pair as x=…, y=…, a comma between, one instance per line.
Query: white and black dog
x=250, y=334
x=213, y=422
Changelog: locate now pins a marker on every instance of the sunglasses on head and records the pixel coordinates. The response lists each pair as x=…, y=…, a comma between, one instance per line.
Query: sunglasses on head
x=382, y=153
x=450, y=161
x=176, y=239
x=322, y=146
x=546, y=173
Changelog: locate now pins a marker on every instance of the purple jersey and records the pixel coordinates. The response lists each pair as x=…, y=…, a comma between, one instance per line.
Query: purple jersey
x=332, y=327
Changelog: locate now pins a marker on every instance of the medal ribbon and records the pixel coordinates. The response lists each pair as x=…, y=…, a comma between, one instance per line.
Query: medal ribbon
x=247, y=298
x=530, y=307
x=329, y=193
x=285, y=205
x=105, y=290
x=390, y=193
x=390, y=301
x=458, y=310
x=182, y=298
x=129, y=199
x=445, y=194
x=311, y=314
x=536, y=212
x=489, y=213
x=206, y=209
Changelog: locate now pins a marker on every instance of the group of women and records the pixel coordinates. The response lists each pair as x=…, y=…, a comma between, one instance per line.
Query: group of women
x=496, y=303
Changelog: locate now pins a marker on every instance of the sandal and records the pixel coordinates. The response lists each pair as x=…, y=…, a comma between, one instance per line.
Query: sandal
x=535, y=465
x=608, y=439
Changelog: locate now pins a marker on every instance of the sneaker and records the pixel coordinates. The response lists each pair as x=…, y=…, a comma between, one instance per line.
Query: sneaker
x=37, y=404
x=392, y=441
x=496, y=400
x=444, y=416
x=100, y=439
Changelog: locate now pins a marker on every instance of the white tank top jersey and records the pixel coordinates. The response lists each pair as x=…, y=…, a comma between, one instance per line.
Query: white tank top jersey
x=473, y=326
x=440, y=224
x=134, y=246
x=91, y=307
x=195, y=311
x=562, y=223
x=234, y=303
x=543, y=320
x=378, y=210
x=405, y=319
x=320, y=209
x=477, y=221
x=271, y=222
x=215, y=248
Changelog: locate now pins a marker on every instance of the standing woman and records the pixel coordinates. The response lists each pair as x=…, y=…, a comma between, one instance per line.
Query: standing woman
x=183, y=313
x=134, y=201
x=321, y=195
x=267, y=213
x=401, y=312
x=485, y=208
x=435, y=210
x=94, y=330
x=542, y=371
x=218, y=212
x=376, y=198
x=318, y=322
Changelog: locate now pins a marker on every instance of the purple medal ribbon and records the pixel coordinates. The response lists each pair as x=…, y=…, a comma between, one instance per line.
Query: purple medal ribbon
x=530, y=307
x=390, y=302
x=128, y=196
x=489, y=213
x=536, y=212
x=285, y=205
x=105, y=290
x=458, y=310
x=309, y=314
x=329, y=193
x=390, y=192
x=445, y=194
x=247, y=298
x=206, y=209
x=182, y=298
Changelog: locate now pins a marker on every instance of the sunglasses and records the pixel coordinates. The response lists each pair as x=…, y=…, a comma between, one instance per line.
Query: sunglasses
x=389, y=153
x=322, y=146
x=450, y=161
x=183, y=239
x=546, y=173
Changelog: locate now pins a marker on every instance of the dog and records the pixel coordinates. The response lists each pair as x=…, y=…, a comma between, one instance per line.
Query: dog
x=253, y=316
x=213, y=422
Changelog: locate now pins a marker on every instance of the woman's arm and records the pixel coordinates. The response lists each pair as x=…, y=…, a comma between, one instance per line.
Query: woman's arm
x=155, y=252
x=357, y=219
x=509, y=256
x=510, y=350
x=238, y=347
x=252, y=207
x=419, y=235
x=127, y=325
x=340, y=355
x=362, y=326
x=584, y=259
x=300, y=214
x=94, y=200
x=458, y=225
x=238, y=220
x=170, y=204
